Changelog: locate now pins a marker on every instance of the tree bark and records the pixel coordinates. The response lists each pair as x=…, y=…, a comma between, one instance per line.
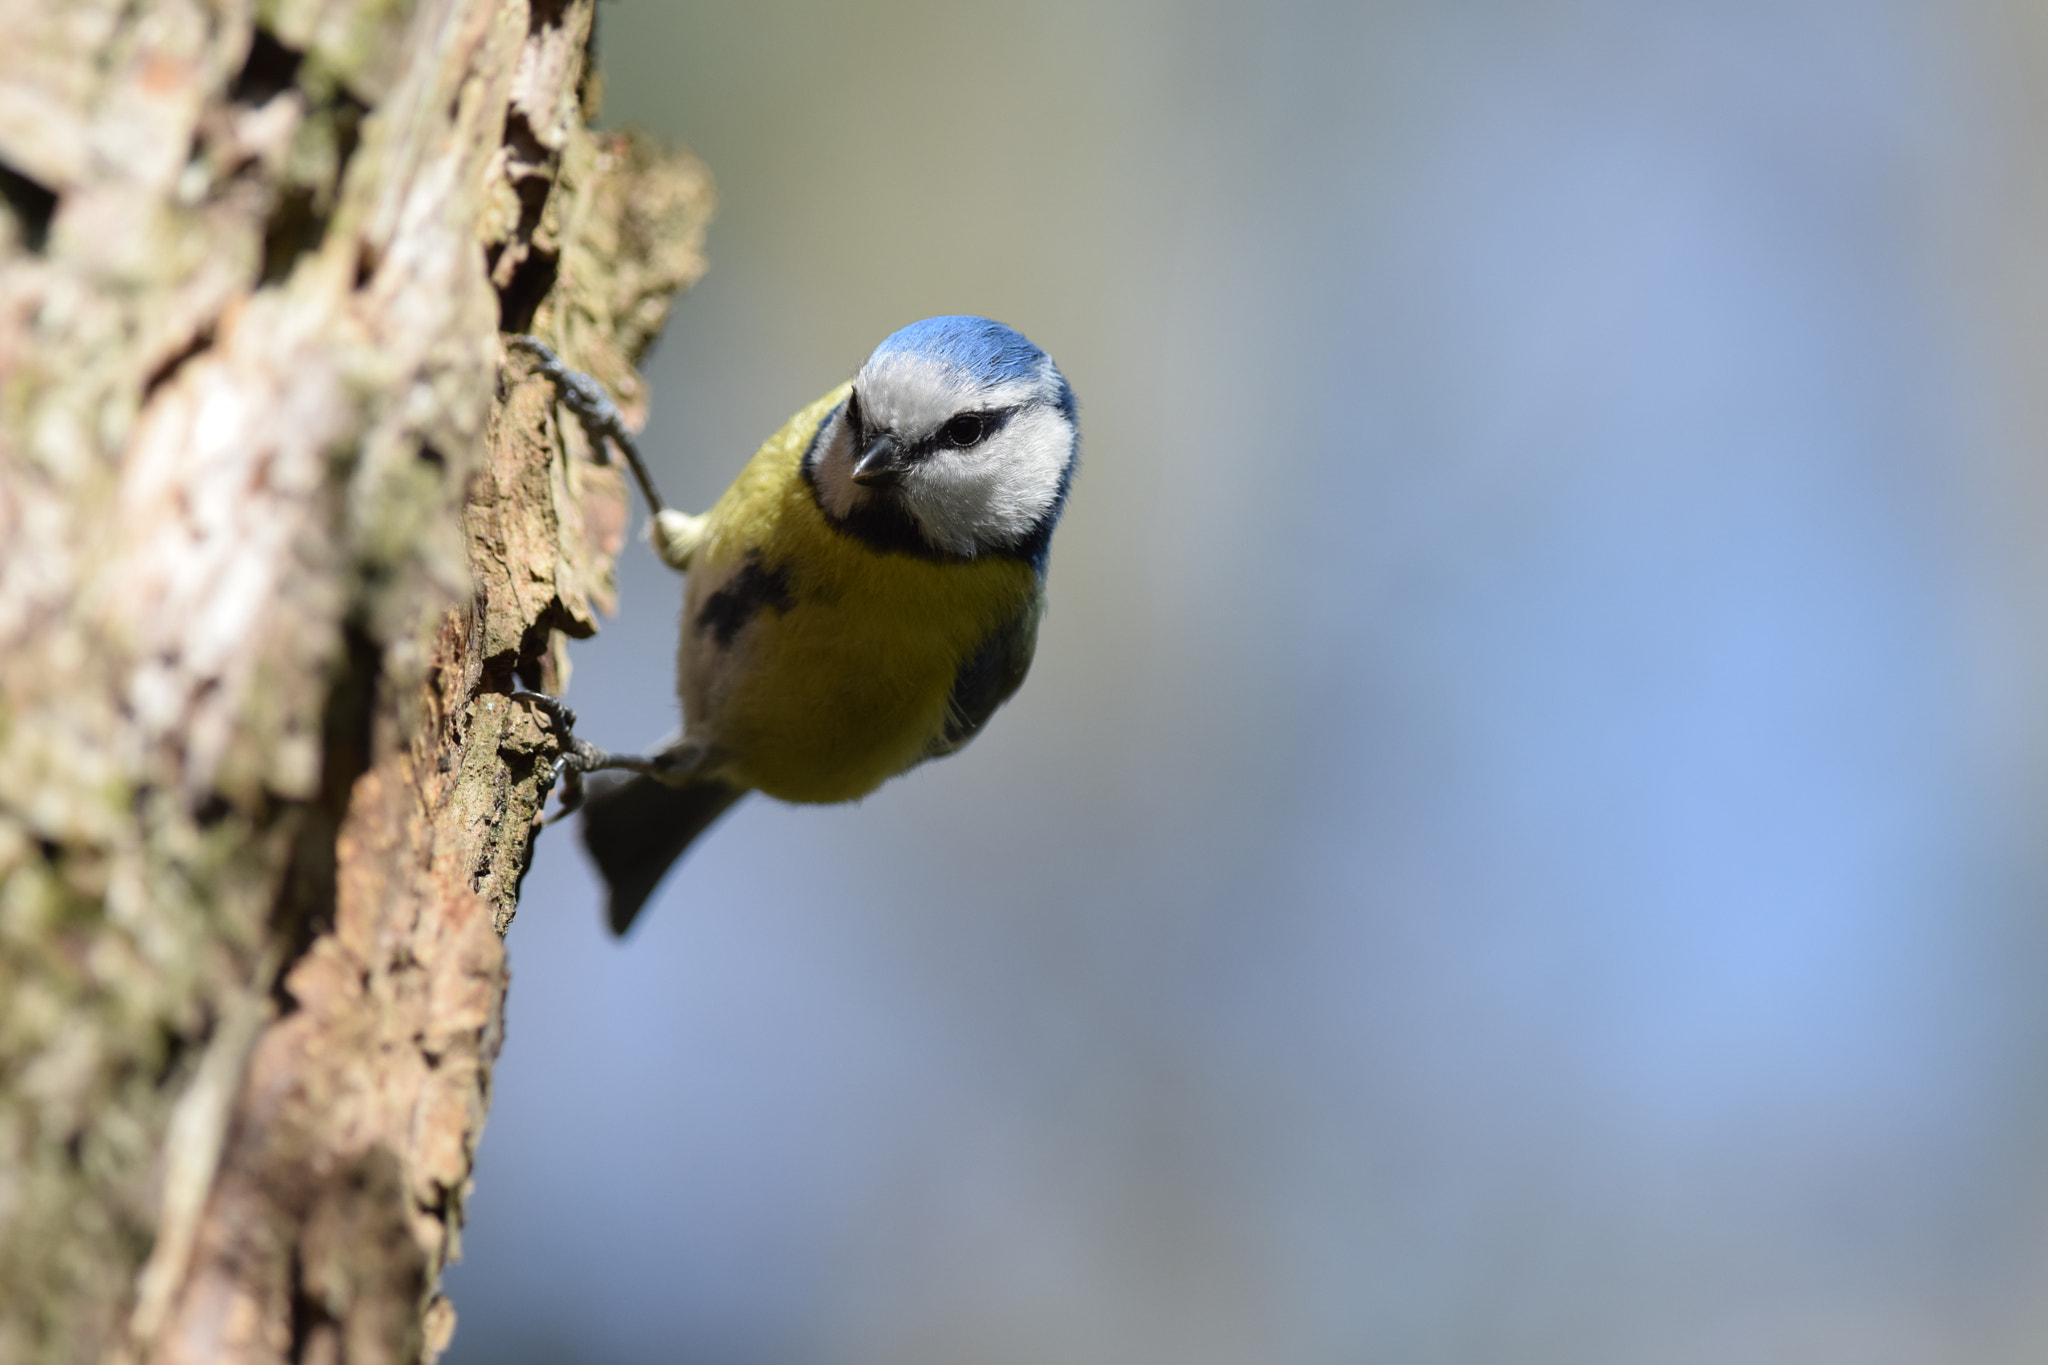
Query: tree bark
x=280, y=527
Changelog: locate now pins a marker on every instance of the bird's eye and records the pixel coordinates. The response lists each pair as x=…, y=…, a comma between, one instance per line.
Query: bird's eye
x=966, y=429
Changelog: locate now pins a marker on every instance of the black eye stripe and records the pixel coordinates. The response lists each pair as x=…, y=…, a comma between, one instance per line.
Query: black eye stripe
x=992, y=421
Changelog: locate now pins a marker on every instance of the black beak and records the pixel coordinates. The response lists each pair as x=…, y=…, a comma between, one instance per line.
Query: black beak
x=881, y=465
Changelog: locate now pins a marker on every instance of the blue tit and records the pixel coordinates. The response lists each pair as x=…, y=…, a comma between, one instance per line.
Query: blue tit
x=862, y=599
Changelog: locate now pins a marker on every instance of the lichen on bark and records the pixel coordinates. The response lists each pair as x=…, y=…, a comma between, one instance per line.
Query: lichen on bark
x=279, y=530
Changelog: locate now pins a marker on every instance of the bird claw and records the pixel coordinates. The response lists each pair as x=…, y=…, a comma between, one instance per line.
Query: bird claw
x=574, y=757
x=594, y=407
x=571, y=761
x=580, y=393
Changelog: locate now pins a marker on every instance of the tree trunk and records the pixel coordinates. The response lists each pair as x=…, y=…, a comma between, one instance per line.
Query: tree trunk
x=280, y=526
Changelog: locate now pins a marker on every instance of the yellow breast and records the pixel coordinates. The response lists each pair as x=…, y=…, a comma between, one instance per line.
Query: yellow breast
x=817, y=666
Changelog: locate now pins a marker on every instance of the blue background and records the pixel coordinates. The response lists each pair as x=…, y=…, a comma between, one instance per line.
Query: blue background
x=1524, y=838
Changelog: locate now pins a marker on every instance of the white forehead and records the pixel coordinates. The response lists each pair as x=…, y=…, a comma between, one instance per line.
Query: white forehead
x=912, y=394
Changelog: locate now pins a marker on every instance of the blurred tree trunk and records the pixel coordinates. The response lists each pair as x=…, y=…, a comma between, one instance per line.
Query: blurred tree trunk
x=276, y=537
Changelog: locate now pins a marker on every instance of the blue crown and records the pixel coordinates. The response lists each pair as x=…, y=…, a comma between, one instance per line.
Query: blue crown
x=987, y=351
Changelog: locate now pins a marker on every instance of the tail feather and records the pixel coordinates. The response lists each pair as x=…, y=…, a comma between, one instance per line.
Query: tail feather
x=636, y=829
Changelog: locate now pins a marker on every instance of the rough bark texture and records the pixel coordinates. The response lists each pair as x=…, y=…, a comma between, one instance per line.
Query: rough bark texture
x=279, y=528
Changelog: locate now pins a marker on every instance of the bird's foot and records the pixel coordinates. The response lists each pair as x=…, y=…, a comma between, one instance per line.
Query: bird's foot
x=573, y=756
x=674, y=766
x=593, y=407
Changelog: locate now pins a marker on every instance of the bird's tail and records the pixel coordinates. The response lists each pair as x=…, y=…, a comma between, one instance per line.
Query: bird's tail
x=636, y=829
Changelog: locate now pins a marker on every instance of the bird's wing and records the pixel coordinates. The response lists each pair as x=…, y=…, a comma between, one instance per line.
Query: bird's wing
x=987, y=679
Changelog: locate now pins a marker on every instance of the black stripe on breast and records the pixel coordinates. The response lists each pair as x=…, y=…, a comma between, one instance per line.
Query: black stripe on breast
x=741, y=598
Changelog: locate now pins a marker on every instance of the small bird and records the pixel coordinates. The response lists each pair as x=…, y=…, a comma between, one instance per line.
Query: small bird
x=862, y=598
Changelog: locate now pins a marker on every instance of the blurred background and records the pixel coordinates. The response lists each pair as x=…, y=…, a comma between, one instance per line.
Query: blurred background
x=1524, y=839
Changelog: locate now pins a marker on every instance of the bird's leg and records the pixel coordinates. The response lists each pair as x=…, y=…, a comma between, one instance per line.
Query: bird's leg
x=594, y=407
x=575, y=757
x=674, y=534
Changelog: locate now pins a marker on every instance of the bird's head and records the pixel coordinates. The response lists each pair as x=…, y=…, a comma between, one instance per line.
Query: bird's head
x=958, y=439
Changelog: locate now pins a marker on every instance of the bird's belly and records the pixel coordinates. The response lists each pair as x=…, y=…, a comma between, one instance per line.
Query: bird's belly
x=823, y=694
x=816, y=716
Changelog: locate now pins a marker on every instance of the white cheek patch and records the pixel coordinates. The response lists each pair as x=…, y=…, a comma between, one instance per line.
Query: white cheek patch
x=992, y=496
